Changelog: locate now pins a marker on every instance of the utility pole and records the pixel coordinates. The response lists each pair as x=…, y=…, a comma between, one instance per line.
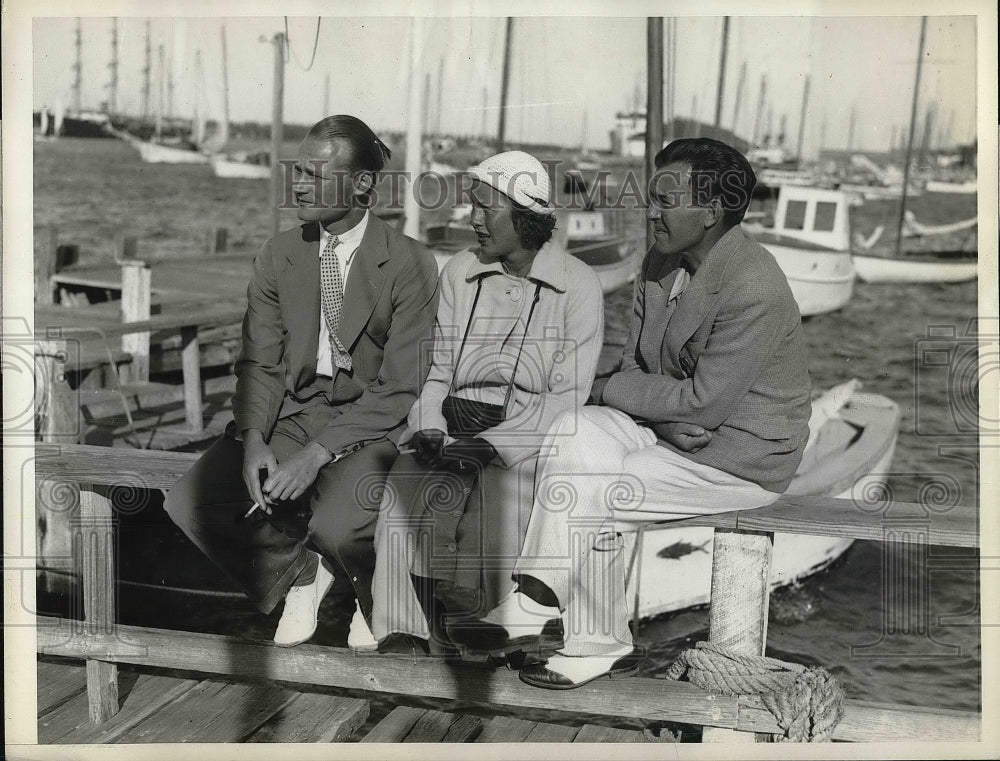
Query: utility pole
x=225, y=87
x=722, y=75
x=159, y=107
x=850, y=128
x=504, y=84
x=113, y=66
x=78, y=70
x=485, y=105
x=326, y=95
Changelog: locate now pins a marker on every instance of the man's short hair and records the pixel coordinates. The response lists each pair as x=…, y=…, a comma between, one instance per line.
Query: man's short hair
x=368, y=153
x=717, y=171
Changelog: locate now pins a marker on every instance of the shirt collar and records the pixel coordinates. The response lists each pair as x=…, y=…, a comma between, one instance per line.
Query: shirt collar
x=681, y=281
x=349, y=240
x=548, y=267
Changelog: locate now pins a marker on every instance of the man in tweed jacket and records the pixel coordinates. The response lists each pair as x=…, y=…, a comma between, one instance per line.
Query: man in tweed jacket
x=708, y=413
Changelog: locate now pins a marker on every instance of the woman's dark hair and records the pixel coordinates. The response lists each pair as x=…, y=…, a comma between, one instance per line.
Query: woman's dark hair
x=368, y=153
x=534, y=229
x=717, y=171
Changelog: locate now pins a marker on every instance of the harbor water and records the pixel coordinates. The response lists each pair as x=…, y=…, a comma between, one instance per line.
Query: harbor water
x=841, y=618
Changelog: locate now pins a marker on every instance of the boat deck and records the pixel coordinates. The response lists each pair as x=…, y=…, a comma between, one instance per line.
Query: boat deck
x=159, y=708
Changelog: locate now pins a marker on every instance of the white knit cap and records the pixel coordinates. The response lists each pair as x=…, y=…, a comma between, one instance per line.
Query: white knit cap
x=519, y=176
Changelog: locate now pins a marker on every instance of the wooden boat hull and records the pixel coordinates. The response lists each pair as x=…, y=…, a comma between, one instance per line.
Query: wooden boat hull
x=675, y=564
x=938, y=186
x=884, y=269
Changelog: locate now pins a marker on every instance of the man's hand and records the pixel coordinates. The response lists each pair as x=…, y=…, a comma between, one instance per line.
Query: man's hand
x=467, y=454
x=257, y=455
x=296, y=474
x=427, y=445
x=687, y=437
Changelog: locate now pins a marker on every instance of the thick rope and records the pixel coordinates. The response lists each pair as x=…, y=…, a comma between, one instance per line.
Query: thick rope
x=807, y=703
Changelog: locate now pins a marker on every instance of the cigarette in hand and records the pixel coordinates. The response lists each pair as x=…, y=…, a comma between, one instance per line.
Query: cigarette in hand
x=256, y=506
x=407, y=450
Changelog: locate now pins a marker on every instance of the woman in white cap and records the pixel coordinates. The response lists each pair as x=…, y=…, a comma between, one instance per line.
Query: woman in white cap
x=519, y=328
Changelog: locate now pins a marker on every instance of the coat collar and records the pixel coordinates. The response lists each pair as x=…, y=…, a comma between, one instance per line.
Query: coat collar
x=548, y=267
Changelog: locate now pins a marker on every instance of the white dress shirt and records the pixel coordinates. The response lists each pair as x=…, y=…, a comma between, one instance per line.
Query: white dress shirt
x=346, y=249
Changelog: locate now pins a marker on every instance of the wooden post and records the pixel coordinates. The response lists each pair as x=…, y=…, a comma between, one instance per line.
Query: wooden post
x=191, y=368
x=741, y=569
x=216, y=240
x=277, y=132
x=125, y=247
x=414, y=139
x=504, y=87
x=654, y=103
x=97, y=545
x=45, y=267
x=136, y=306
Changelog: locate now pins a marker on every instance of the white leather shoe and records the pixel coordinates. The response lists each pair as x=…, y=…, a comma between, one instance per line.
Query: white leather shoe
x=299, y=618
x=360, y=638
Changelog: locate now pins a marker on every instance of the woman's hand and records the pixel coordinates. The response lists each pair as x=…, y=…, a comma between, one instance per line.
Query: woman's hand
x=427, y=445
x=467, y=454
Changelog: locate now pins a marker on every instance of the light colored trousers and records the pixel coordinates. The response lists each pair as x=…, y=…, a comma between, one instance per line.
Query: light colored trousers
x=600, y=473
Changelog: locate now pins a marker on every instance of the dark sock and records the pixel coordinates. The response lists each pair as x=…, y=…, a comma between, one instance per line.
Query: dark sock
x=308, y=573
x=537, y=591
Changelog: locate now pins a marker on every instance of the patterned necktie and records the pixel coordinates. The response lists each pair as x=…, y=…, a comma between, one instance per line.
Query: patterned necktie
x=332, y=297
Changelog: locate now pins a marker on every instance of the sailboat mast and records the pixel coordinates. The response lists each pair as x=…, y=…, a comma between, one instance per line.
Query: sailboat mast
x=225, y=88
x=159, y=107
x=146, y=76
x=654, y=102
x=78, y=70
x=277, y=131
x=760, y=110
x=414, y=140
x=722, y=74
x=440, y=92
x=909, y=141
x=739, y=97
x=326, y=95
x=113, y=67
x=504, y=85
x=850, y=128
x=802, y=121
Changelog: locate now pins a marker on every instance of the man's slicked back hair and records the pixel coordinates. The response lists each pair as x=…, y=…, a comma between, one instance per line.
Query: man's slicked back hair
x=717, y=171
x=368, y=153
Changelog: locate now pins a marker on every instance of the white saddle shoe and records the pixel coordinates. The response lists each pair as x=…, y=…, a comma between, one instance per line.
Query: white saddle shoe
x=299, y=618
x=360, y=638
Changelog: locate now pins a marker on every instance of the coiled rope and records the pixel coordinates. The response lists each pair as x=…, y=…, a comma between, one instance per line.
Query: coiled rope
x=806, y=702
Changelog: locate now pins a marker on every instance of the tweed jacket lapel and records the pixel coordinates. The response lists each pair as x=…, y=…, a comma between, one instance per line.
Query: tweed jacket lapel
x=300, y=304
x=701, y=297
x=365, y=281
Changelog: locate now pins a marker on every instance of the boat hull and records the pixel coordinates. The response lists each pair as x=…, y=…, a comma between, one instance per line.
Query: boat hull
x=883, y=269
x=239, y=170
x=821, y=281
x=675, y=564
x=154, y=153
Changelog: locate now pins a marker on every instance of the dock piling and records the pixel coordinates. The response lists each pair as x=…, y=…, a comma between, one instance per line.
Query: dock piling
x=136, y=307
x=216, y=240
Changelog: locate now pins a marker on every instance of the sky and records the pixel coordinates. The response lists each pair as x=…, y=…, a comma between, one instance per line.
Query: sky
x=569, y=75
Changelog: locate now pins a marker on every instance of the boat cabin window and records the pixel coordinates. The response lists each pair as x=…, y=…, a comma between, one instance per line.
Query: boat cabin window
x=826, y=213
x=795, y=215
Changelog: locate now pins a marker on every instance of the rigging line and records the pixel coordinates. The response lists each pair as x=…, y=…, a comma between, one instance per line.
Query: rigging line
x=290, y=52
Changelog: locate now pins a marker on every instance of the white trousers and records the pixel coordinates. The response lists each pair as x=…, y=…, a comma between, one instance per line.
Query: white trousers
x=600, y=473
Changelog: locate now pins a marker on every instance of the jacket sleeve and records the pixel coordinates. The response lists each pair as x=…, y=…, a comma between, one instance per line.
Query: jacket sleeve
x=572, y=371
x=747, y=328
x=260, y=368
x=383, y=405
x=426, y=411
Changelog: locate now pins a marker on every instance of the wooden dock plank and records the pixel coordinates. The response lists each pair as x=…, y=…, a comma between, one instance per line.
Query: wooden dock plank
x=213, y=712
x=505, y=729
x=551, y=733
x=59, y=682
x=311, y=717
x=594, y=733
x=146, y=695
x=655, y=699
x=396, y=726
x=465, y=730
x=431, y=727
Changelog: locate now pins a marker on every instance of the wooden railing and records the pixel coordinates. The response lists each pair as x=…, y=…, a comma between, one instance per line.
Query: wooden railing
x=742, y=556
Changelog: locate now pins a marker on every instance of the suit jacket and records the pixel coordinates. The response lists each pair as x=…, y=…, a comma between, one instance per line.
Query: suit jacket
x=390, y=299
x=731, y=358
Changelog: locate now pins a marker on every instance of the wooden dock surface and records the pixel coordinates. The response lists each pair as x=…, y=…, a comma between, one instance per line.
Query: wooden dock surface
x=160, y=708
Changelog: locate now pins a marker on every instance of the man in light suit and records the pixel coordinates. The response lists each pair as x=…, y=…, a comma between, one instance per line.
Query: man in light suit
x=339, y=311
x=708, y=413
